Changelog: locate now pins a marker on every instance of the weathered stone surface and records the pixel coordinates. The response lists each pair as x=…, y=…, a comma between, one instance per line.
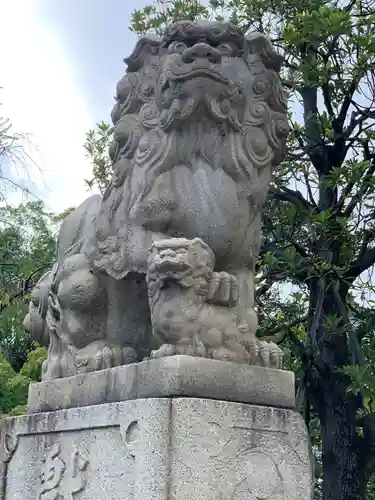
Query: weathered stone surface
x=104, y=453
x=157, y=449
x=236, y=451
x=171, y=376
x=200, y=122
x=193, y=307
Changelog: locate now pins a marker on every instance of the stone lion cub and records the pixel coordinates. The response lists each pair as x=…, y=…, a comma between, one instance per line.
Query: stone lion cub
x=193, y=307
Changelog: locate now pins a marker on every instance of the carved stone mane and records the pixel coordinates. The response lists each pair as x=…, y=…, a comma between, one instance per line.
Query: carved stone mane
x=200, y=121
x=204, y=104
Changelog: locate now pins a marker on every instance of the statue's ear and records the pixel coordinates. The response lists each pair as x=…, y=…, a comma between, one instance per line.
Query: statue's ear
x=146, y=47
x=257, y=43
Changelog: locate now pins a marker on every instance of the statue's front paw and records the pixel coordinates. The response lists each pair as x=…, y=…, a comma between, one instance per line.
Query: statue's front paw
x=163, y=351
x=192, y=346
x=187, y=347
x=270, y=355
x=223, y=289
x=129, y=355
x=225, y=354
x=108, y=357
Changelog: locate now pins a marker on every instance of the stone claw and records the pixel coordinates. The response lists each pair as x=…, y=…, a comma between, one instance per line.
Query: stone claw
x=225, y=354
x=191, y=347
x=224, y=289
x=270, y=355
x=108, y=357
x=163, y=351
x=129, y=355
x=276, y=356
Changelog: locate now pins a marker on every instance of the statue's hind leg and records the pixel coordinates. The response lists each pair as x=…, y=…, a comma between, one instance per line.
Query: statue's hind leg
x=245, y=300
x=129, y=323
x=264, y=353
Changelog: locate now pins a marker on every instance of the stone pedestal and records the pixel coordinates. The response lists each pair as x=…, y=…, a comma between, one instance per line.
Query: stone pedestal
x=160, y=447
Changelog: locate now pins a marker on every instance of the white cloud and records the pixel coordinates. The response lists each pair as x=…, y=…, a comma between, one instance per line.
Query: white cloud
x=41, y=98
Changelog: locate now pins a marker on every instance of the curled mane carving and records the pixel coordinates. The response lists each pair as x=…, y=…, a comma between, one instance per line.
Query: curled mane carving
x=201, y=107
x=199, y=124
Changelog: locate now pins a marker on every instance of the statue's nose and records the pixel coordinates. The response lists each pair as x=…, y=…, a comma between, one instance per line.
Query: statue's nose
x=167, y=253
x=201, y=51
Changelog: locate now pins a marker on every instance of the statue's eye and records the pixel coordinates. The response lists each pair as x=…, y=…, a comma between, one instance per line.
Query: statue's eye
x=226, y=49
x=177, y=47
x=165, y=284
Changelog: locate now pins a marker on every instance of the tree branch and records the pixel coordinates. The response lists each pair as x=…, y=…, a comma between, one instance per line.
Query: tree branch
x=361, y=264
x=279, y=334
x=358, y=196
x=362, y=190
x=338, y=123
x=368, y=449
x=357, y=351
x=301, y=274
x=327, y=101
x=312, y=131
x=357, y=118
x=295, y=197
x=309, y=190
x=25, y=289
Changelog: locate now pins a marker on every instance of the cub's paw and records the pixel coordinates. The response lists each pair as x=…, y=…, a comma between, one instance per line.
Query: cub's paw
x=270, y=355
x=163, y=351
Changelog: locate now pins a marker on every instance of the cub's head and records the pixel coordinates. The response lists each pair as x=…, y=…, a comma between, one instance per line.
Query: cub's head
x=190, y=263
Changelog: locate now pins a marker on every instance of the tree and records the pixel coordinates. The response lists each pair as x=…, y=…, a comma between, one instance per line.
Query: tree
x=12, y=154
x=27, y=249
x=96, y=146
x=14, y=386
x=319, y=229
x=320, y=236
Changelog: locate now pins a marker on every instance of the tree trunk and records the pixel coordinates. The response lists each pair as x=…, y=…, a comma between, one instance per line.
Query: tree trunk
x=343, y=477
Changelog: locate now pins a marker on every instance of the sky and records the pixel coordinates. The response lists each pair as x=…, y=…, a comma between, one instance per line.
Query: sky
x=58, y=74
x=60, y=61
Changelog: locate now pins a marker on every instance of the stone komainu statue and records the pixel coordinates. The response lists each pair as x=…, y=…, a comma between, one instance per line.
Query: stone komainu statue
x=163, y=263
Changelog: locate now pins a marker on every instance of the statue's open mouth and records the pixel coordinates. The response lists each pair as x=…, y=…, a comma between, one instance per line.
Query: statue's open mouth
x=172, y=79
x=169, y=263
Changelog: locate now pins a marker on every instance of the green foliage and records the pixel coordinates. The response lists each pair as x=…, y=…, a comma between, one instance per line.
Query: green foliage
x=27, y=249
x=96, y=146
x=57, y=218
x=33, y=365
x=14, y=341
x=314, y=279
x=14, y=386
x=155, y=16
x=6, y=370
x=12, y=154
x=27, y=243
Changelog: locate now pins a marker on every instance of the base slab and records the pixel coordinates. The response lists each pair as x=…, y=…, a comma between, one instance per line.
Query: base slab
x=173, y=376
x=159, y=449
